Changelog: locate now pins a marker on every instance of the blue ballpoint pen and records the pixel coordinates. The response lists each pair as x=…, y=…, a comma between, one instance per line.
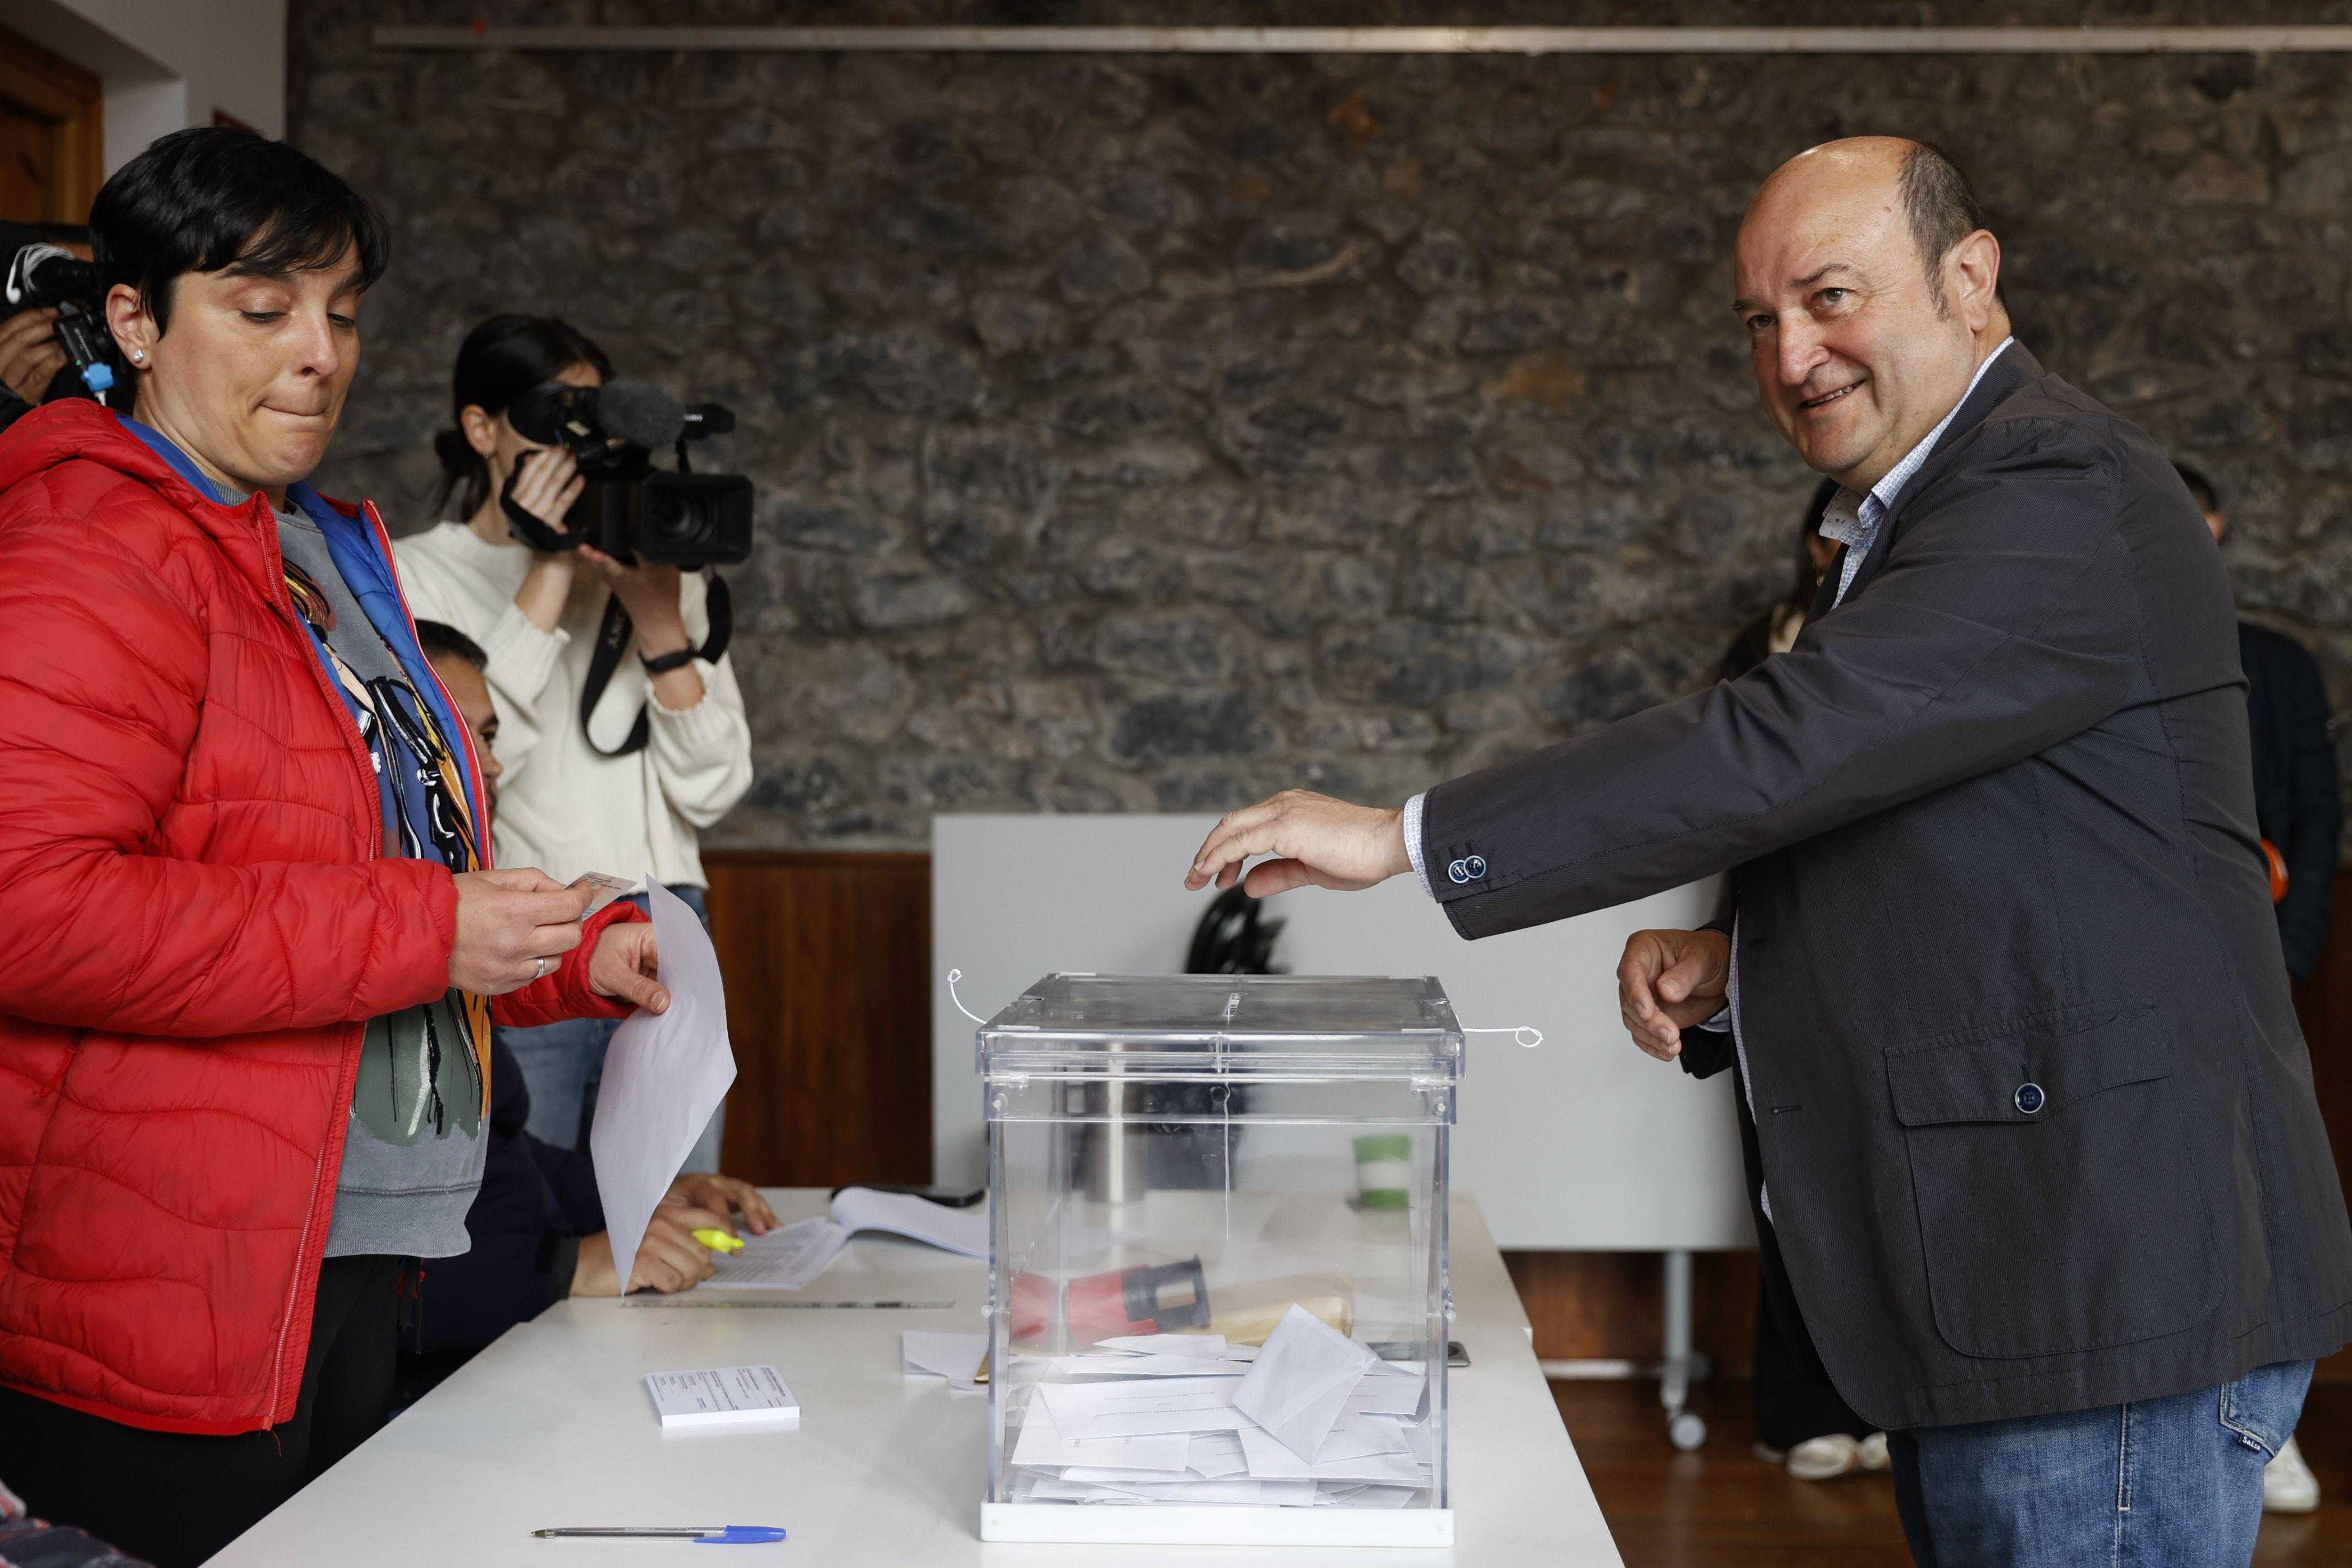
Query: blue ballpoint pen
x=701, y=1534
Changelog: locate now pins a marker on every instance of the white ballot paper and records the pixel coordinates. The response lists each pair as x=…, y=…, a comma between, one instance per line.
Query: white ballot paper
x=1388, y=1394
x=1216, y=1455
x=1300, y=1383
x=1211, y=1345
x=1041, y=1445
x=1085, y=1411
x=1145, y=1366
x=723, y=1396
x=1269, y=1461
x=954, y=1356
x=663, y=1078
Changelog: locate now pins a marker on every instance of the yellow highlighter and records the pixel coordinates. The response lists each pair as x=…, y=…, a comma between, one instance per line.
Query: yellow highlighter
x=718, y=1240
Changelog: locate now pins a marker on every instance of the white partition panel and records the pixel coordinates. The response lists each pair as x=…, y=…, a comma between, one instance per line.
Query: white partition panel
x=1580, y=1142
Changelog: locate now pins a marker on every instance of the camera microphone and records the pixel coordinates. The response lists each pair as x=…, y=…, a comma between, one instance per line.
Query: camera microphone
x=640, y=413
x=49, y=275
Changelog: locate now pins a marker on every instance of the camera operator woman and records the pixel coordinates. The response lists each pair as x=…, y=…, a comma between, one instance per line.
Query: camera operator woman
x=244, y=1026
x=568, y=801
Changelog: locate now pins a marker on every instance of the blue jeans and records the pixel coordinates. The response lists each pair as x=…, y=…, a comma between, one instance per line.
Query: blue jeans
x=563, y=1064
x=2175, y=1482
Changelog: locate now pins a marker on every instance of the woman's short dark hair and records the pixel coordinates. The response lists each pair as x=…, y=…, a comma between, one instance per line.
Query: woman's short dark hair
x=220, y=198
x=499, y=360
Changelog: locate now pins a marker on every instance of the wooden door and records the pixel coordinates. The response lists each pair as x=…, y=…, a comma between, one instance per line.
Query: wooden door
x=51, y=135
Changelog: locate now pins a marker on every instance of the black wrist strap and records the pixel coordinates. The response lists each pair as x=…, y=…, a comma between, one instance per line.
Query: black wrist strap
x=613, y=642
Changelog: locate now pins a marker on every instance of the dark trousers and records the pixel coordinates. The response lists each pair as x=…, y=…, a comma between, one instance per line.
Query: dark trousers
x=1794, y=1398
x=175, y=1499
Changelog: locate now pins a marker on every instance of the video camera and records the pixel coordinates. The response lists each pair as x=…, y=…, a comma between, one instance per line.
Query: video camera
x=629, y=510
x=40, y=273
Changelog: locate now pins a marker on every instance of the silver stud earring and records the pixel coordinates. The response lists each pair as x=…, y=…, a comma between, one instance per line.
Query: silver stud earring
x=138, y=354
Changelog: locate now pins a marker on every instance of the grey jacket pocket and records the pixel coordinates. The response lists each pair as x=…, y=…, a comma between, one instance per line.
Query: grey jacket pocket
x=2060, y=1208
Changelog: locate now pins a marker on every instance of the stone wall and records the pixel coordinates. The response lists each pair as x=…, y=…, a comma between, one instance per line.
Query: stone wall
x=1150, y=433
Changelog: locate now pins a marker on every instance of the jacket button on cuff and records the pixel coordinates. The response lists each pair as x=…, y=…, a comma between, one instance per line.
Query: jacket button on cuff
x=2029, y=1098
x=1459, y=871
x=1476, y=866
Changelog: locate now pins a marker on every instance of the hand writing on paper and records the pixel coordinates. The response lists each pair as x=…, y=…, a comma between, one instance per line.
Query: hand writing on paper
x=669, y=1258
x=1669, y=980
x=718, y=1194
x=627, y=964
x=1317, y=841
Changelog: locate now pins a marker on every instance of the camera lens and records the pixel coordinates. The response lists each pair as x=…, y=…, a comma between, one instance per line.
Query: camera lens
x=696, y=519
x=681, y=519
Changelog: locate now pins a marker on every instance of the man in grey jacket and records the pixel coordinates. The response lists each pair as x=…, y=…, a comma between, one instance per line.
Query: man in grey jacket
x=2036, y=1138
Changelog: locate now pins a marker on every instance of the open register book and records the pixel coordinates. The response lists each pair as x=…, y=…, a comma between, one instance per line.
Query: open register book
x=788, y=1259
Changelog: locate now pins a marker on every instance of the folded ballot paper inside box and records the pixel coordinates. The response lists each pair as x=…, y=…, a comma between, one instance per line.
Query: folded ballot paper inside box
x=1189, y=1282
x=788, y=1259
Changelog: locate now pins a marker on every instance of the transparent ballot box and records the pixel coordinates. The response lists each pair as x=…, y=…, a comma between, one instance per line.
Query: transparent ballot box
x=1218, y=1284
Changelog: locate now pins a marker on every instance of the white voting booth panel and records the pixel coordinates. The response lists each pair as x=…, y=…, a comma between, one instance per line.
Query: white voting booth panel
x=1581, y=1142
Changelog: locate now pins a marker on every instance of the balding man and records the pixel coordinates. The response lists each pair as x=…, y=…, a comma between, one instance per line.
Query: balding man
x=2035, y=1133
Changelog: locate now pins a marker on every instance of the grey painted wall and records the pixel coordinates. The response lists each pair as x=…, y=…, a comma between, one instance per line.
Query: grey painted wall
x=1153, y=432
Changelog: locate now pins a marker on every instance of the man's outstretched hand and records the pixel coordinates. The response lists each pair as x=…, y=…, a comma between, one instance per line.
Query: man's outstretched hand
x=1317, y=841
x=1669, y=980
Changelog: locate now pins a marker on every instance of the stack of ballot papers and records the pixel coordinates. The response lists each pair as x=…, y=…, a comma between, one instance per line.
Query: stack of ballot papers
x=1312, y=1418
x=790, y=1258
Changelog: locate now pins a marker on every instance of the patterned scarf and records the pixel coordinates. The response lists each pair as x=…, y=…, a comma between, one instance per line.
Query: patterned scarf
x=434, y=820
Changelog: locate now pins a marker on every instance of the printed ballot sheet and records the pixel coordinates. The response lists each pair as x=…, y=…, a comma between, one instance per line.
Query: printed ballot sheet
x=1082, y=1411
x=783, y=1260
x=664, y=1076
x=722, y=1396
x=1041, y=1445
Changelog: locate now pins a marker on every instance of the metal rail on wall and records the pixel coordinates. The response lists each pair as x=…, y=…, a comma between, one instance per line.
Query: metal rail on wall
x=2286, y=40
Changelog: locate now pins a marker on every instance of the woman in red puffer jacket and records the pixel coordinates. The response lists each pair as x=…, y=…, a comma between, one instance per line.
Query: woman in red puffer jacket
x=247, y=931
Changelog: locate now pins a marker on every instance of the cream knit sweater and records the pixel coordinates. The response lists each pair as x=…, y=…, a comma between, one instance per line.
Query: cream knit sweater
x=561, y=806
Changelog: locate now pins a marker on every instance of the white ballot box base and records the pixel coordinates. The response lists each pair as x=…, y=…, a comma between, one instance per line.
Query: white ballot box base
x=1158, y=1525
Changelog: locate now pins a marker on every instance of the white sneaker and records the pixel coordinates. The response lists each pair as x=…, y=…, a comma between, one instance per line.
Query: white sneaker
x=1824, y=1458
x=1873, y=1452
x=2288, y=1485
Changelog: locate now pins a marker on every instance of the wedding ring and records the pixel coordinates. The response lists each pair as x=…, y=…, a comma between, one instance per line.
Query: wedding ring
x=542, y=968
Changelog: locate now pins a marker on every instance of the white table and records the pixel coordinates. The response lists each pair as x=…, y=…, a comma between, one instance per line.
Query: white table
x=552, y=1425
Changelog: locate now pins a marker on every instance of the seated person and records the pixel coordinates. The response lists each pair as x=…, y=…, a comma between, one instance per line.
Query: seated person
x=537, y=1225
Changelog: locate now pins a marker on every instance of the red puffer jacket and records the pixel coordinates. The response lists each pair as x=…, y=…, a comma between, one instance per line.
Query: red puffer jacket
x=196, y=921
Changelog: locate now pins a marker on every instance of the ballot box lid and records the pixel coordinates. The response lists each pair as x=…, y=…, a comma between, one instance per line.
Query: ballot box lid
x=1281, y=1024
